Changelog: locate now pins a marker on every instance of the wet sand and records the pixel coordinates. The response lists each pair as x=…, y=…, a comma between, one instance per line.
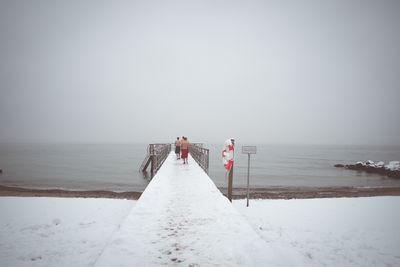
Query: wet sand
x=238, y=193
x=27, y=192
x=312, y=192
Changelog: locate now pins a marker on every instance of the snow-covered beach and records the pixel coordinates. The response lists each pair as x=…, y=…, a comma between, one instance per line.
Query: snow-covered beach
x=331, y=231
x=177, y=223
x=320, y=232
x=38, y=231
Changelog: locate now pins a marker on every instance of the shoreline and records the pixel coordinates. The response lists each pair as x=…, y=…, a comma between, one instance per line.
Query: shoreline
x=238, y=193
x=312, y=192
x=13, y=191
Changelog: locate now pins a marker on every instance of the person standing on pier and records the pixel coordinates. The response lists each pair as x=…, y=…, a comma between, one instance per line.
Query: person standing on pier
x=184, y=149
x=178, y=148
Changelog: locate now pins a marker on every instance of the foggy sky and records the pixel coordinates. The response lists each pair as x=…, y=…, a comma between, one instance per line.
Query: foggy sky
x=319, y=72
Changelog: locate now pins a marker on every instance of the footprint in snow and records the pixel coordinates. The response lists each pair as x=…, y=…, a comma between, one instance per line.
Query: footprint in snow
x=56, y=221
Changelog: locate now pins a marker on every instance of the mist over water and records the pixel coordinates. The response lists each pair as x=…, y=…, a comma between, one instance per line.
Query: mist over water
x=297, y=72
x=304, y=165
x=116, y=166
x=73, y=166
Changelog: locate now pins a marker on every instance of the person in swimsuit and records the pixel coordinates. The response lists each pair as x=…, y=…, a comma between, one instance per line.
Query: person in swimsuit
x=178, y=148
x=184, y=150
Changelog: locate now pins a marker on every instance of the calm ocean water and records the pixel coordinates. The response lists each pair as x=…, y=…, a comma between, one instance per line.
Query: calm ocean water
x=115, y=167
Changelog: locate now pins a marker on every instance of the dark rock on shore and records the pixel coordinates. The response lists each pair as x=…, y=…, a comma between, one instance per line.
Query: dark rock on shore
x=391, y=170
x=339, y=165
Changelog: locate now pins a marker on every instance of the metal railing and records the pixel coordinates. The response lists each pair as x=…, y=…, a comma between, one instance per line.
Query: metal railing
x=156, y=155
x=201, y=155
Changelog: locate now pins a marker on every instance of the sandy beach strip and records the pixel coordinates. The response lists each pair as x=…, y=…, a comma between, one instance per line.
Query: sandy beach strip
x=312, y=192
x=238, y=193
x=28, y=192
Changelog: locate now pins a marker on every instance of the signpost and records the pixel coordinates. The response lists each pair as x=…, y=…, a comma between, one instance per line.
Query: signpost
x=248, y=150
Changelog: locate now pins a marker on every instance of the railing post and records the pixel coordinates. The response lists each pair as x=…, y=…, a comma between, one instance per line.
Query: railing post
x=200, y=155
x=152, y=157
x=208, y=160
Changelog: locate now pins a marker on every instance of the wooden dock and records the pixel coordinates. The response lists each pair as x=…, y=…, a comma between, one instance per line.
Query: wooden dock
x=182, y=219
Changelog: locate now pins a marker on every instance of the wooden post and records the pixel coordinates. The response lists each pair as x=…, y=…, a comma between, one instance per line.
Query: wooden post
x=248, y=178
x=230, y=181
x=152, y=160
x=152, y=167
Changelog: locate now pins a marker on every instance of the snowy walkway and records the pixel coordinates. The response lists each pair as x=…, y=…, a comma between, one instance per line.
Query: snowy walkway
x=182, y=219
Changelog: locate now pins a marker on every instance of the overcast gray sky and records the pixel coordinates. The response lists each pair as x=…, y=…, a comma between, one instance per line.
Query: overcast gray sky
x=324, y=72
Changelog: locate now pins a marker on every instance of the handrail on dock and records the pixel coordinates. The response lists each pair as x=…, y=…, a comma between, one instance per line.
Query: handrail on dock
x=200, y=155
x=156, y=155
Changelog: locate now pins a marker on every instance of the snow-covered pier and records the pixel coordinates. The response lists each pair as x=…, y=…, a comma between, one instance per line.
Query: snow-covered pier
x=183, y=219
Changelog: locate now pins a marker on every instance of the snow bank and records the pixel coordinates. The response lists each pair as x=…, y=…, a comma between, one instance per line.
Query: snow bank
x=57, y=231
x=393, y=165
x=318, y=232
x=331, y=232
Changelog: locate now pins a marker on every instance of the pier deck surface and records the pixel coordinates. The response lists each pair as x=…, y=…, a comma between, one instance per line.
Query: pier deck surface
x=182, y=219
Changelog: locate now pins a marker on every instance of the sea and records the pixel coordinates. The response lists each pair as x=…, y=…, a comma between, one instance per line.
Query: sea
x=115, y=167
